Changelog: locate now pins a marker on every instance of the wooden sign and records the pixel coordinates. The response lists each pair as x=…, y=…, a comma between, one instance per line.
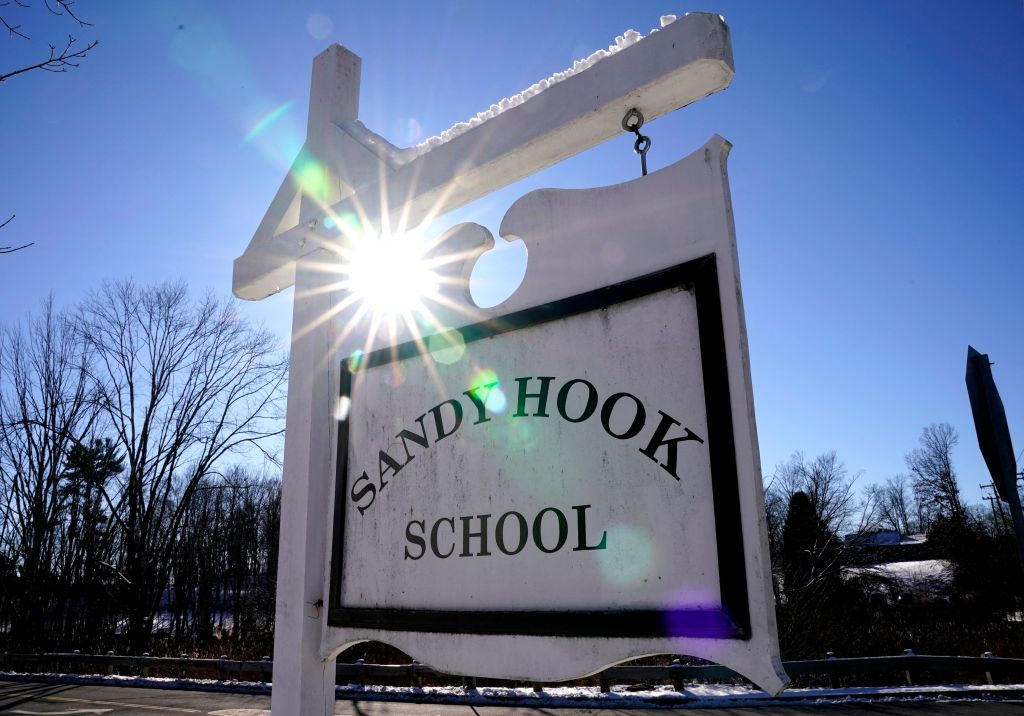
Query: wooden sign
x=548, y=487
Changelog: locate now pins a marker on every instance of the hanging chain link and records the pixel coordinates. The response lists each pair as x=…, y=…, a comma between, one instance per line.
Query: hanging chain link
x=632, y=122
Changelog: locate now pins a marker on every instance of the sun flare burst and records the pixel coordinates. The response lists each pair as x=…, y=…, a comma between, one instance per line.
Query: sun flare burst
x=392, y=275
x=395, y=285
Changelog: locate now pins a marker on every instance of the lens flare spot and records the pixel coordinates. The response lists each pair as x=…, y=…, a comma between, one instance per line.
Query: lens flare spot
x=629, y=558
x=496, y=401
x=522, y=436
x=484, y=376
x=345, y=222
x=409, y=130
x=708, y=622
x=204, y=48
x=268, y=120
x=447, y=347
x=356, y=361
x=344, y=405
x=312, y=177
x=319, y=26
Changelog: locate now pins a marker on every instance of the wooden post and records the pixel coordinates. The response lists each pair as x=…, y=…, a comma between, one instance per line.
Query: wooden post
x=676, y=670
x=302, y=682
x=988, y=674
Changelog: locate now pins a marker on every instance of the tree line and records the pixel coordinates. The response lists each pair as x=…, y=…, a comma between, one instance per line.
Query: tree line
x=128, y=519
x=131, y=518
x=830, y=593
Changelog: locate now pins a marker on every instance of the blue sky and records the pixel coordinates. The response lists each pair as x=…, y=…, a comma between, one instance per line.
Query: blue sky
x=877, y=173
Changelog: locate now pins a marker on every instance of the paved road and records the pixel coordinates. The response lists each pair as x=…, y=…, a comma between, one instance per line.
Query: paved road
x=36, y=699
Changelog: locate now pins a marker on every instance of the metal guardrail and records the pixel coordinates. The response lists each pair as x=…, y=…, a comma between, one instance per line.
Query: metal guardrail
x=909, y=666
x=224, y=668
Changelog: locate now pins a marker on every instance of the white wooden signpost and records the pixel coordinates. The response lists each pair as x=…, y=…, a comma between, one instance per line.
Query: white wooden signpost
x=550, y=486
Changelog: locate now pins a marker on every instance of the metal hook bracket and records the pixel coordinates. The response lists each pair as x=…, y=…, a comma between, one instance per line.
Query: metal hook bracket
x=632, y=122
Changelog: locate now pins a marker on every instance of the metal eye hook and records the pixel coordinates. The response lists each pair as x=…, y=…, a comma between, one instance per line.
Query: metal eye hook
x=635, y=115
x=632, y=122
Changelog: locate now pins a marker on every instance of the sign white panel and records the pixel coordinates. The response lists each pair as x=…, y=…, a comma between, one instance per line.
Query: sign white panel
x=573, y=452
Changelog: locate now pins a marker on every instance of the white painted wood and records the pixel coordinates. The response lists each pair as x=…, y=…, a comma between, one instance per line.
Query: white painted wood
x=683, y=62
x=303, y=683
x=580, y=240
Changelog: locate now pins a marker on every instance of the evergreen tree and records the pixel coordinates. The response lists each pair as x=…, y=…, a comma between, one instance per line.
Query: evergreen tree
x=809, y=551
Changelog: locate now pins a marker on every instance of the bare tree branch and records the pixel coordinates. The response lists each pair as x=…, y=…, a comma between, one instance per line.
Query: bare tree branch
x=12, y=249
x=55, y=62
x=13, y=29
x=58, y=60
x=65, y=6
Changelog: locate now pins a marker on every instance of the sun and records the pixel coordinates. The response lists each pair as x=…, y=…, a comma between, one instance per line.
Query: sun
x=395, y=287
x=391, y=275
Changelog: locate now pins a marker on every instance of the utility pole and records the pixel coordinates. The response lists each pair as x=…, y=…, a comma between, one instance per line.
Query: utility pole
x=988, y=494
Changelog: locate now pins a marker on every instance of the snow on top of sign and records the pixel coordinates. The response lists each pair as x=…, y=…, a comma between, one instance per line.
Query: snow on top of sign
x=626, y=39
x=397, y=156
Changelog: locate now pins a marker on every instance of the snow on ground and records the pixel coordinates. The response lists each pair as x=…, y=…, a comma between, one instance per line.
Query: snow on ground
x=923, y=575
x=695, y=695
x=917, y=569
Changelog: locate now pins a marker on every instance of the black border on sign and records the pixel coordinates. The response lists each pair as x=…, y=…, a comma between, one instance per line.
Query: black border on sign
x=731, y=622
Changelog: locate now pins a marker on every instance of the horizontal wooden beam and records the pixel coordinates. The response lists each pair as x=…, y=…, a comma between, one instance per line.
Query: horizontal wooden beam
x=683, y=62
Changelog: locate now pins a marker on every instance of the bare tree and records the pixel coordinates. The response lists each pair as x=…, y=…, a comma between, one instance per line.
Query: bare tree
x=183, y=384
x=222, y=570
x=46, y=409
x=935, y=484
x=827, y=484
x=63, y=54
x=895, y=501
